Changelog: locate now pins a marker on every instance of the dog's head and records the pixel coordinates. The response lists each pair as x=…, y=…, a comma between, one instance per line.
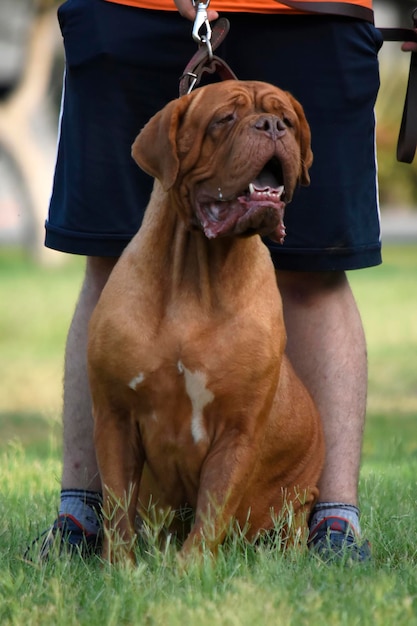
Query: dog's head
x=231, y=155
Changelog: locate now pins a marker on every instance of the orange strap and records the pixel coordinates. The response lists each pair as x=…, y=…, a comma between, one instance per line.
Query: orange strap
x=246, y=6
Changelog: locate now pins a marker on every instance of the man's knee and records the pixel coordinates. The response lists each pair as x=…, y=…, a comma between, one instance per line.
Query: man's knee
x=98, y=270
x=309, y=288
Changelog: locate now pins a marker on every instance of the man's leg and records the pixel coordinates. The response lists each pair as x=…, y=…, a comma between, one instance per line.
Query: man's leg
x=79, y=461
x=78, y=525
x=326, y=345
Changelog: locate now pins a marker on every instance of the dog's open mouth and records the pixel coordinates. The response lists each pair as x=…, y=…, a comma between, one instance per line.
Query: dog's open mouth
x=258, y=209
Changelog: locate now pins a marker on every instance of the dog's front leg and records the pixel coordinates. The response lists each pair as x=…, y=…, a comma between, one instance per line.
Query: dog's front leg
x=120, y=459
x=223, y=481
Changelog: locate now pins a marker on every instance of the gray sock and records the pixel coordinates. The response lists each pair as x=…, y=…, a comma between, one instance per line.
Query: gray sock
x=348, y=512
x=84, y=506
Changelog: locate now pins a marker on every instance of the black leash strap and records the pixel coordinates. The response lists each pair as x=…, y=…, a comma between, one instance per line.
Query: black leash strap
x=407, y=138
x=333, y=8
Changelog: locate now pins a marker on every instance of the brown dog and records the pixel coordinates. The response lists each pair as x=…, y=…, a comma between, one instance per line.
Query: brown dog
x=195, y=402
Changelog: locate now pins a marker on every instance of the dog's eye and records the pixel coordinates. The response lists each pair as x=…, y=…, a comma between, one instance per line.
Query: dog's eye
x=288, y=122
x=224, y=119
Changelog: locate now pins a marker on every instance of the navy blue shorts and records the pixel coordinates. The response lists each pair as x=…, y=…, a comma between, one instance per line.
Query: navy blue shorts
x=123, y=64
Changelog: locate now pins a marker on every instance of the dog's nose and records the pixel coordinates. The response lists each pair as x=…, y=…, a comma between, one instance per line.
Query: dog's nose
x=272, y=125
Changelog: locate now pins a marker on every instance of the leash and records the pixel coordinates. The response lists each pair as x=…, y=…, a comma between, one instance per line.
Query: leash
x=407, y=138
x=204, y=61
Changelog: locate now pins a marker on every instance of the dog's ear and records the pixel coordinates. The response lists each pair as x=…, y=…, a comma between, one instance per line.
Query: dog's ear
x=305, y=142
x=155, y=148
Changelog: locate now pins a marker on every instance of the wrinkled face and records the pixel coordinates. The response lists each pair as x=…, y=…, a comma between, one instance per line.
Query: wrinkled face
x=230, y=155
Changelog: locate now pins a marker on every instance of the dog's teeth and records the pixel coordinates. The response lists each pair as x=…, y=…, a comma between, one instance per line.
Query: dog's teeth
x=267, y=192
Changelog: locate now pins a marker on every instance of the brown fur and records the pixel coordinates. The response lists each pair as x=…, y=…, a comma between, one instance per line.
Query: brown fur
x=195, y=402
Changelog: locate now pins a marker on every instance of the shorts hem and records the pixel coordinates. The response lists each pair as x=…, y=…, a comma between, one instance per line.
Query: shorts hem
x=334, y=260
x=291, y=259
x=85, y=244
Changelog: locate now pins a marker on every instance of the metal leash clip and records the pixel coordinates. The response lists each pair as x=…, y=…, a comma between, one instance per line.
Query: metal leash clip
x=201, y=20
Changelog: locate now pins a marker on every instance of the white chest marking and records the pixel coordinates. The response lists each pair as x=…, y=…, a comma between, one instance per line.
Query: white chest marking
x=200, y=396
x=137, y=380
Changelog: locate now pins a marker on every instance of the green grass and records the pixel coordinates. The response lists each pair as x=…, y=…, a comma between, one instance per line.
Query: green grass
x=387, y=298
x=244, y=586
x=35, y=311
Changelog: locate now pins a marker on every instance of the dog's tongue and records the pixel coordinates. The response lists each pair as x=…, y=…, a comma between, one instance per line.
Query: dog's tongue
x=278, y=235
x=260, y=211
x=262, y=193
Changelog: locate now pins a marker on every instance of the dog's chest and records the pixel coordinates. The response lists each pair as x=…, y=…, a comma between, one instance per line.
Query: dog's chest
x=191, y=369
x=177, y=399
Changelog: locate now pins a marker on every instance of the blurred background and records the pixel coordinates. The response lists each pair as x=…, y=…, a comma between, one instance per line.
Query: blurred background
x=31, y=69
